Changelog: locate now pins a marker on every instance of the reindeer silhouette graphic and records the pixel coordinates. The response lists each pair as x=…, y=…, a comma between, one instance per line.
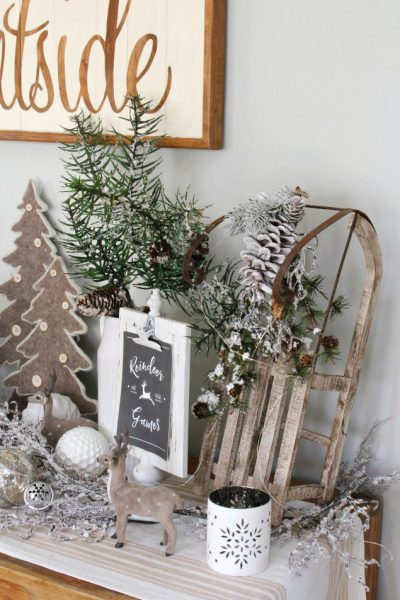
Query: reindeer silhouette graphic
x=146, y=395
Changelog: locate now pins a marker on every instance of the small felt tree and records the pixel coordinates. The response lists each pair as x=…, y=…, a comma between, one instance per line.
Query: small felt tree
x=50, y=345
x=34, y=252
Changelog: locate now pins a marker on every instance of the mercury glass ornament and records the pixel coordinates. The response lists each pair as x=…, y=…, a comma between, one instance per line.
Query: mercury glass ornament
x=16, y=472
x=79, y=448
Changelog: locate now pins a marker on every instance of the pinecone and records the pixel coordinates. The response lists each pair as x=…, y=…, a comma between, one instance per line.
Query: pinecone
x=266, y=251
x=306, y=360
x=293, y=208
x=159, y=252
x=235, y=390
x=201, y=410
x=291, y=203
x=276, y=310
x=106, y=302
x=329, y=341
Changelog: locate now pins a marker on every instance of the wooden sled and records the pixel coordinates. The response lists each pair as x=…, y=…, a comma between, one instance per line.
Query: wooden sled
x=259, y=448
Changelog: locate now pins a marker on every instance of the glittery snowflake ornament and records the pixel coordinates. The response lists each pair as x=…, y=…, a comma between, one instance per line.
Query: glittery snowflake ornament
x=38, y=495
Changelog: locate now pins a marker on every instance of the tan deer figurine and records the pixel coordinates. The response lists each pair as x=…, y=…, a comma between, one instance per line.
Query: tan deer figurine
x=127, y=498
x=53, y=427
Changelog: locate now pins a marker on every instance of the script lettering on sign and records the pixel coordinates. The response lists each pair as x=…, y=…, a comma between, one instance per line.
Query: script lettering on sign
x=60, y=56
x=146, y=395
x=26, y=92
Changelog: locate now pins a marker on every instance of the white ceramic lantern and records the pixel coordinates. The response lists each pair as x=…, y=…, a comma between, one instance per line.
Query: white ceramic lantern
x=238, y=530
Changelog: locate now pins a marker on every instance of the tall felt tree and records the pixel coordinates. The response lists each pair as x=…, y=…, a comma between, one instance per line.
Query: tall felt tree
x=51, y=346
x=34, y=252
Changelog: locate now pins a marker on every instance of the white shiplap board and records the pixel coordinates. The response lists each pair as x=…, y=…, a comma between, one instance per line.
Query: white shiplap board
x=39, y=37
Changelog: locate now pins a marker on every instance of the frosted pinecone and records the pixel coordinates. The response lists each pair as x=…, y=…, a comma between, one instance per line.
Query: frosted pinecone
x=266, y=251
x=292, y=204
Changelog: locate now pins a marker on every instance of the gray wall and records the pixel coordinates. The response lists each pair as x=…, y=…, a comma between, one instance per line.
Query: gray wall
x=312, y=99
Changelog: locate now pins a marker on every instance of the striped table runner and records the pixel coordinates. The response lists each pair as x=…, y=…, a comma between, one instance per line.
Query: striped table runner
x=140, y=568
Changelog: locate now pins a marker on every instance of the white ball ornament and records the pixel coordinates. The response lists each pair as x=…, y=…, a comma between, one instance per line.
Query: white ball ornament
x=79, y=448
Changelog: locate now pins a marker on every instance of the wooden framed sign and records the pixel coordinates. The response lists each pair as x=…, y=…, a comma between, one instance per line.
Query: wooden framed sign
x=154, y=400
x=60, y=56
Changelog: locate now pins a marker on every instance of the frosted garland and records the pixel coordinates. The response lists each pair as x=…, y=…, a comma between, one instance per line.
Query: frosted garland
x=252, y=327
x=270, y=227
x=324, y=530
x=256, y=214
x=242, y=319
x=80, y=509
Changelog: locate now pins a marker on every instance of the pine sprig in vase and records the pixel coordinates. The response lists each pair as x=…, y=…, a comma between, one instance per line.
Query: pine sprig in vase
x=120, y=225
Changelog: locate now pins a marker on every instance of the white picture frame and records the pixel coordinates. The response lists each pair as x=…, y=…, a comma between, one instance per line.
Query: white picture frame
x=176, y=334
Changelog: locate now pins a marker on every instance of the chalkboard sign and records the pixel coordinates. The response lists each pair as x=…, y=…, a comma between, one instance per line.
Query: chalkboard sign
x=145, y=406
x=154, y=383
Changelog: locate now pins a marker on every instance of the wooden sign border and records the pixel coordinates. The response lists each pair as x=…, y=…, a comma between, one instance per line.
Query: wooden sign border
x=213, y=91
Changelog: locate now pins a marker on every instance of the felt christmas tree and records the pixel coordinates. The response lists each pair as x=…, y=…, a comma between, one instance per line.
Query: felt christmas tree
x=34, y=252
x=50, y=346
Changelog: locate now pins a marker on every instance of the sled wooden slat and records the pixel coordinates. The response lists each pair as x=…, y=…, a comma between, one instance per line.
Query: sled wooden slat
x=290, y=441
x=329, y=383
x=226, y=458
x=304, y=492
x=257, y=398
x=206, y=461
x=312, y=436
x=271, y=426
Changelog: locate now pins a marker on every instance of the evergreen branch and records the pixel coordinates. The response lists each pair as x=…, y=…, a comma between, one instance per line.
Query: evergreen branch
x=339, y=304
x=328, y=355
x=116, y=211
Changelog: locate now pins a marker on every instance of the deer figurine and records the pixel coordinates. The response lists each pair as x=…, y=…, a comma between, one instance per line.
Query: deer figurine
x=127, y=498
x=53, y=427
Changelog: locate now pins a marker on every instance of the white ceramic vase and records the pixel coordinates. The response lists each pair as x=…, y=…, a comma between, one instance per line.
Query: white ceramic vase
x=108, y=392
x=238, y=539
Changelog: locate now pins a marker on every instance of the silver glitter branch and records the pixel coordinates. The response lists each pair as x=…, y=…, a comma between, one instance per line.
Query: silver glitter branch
x=328, y=530
x=81, y=509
